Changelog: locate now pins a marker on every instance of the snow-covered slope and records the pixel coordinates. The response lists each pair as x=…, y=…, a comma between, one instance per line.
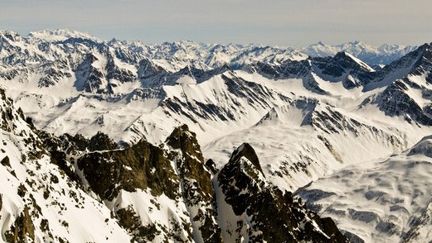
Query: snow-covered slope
x=380, y=201
x=307, y=139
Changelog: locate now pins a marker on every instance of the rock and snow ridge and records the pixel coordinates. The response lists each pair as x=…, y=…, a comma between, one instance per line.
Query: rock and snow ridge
x=39, y=201
x=372, y=55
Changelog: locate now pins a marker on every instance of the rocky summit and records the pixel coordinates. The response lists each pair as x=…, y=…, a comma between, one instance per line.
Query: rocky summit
x=252, y=209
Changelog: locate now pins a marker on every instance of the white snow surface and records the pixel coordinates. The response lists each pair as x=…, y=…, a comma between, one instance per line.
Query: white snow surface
x=380, y=201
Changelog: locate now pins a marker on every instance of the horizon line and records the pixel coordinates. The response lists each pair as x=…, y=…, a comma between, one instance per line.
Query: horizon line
x=28, y=34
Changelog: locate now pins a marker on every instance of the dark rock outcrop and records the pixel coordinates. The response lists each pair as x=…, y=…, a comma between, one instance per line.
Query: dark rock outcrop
x=139, y=166
x=22, y=229
x=196, y=183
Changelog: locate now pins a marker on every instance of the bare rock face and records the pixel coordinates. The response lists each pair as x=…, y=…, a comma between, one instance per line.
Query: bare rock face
x=191, y=165
x=132, y=223
x=22, y=230
x=140, y=166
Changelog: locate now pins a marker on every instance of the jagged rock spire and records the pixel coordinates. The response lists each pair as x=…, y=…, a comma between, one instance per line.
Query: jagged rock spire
x=246, y=150
x=259, y=212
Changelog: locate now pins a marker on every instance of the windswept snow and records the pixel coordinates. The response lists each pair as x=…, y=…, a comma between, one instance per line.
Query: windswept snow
x=379, y=201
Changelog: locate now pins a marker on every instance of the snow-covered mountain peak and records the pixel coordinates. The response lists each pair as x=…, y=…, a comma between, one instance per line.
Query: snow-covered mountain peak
x=323, y=49
x=319, y=49
x=355, y=47
x=389, y=48
x=246, y=151
x=351, y=58
x=417, y=63
x=370, y=54
x=10, y=35
x=59, y=35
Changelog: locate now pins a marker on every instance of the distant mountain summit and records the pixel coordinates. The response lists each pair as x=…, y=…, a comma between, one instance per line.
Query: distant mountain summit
x=372, y=55
x=59, y=35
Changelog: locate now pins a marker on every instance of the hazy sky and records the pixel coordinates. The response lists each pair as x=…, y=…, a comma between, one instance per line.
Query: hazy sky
x=278, y=22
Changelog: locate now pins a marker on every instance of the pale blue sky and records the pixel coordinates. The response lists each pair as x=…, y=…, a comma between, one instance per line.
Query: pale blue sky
x=278, y=22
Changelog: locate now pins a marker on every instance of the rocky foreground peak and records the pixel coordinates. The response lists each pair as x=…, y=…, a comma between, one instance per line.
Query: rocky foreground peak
x=249, y=207
x=246, y=151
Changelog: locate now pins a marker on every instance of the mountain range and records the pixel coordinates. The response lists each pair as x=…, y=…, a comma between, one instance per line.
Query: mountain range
x=200, y=142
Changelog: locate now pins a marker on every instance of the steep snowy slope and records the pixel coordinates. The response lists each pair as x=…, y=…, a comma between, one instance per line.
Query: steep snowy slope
x=380, y=201
x=38, y=200
x=406, y=87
